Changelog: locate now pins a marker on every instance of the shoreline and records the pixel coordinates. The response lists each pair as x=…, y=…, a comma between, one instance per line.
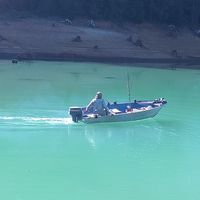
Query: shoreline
x=53, y=40
x=193, y=62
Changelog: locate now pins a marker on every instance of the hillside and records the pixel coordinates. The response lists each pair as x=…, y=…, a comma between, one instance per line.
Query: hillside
x=36, y=38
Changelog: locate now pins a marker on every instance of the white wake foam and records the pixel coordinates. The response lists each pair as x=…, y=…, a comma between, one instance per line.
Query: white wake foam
x=46, y=120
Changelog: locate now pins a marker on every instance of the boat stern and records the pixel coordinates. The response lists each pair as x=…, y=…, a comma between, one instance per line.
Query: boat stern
x=76, y=113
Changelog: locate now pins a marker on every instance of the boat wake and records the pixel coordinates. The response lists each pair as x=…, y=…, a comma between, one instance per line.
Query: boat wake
x=35, y=120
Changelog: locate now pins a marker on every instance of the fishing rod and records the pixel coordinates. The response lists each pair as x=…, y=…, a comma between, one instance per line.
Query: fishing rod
x=128, y=86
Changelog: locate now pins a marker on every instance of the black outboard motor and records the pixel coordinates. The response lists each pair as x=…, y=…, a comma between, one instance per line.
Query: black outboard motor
x=76, y=113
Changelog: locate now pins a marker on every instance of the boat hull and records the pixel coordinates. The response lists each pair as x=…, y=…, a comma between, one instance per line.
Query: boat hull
x=122, y=117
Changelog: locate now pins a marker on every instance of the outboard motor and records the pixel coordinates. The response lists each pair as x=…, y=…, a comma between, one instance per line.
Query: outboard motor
x=76, y=113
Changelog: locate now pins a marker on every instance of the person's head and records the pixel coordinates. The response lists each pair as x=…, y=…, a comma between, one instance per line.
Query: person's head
x=98, y=95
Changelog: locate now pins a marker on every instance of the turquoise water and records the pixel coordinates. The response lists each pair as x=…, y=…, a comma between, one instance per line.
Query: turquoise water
x=44, y=156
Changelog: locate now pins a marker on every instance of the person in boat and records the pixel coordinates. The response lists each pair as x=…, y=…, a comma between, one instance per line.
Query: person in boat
x=98, y=105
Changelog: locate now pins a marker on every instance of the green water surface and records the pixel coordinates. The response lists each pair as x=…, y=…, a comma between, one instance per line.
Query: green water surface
x=44, y=156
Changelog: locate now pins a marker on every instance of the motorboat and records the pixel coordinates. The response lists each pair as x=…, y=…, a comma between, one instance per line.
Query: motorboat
x=120, y=112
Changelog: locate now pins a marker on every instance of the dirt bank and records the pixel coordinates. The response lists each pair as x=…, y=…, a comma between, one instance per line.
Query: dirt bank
x=54, y=40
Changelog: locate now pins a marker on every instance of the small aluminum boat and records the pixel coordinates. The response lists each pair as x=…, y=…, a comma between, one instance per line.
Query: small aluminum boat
x=120, y=112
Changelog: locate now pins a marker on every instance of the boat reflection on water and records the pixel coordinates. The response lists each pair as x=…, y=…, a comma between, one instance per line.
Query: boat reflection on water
x=120, y=135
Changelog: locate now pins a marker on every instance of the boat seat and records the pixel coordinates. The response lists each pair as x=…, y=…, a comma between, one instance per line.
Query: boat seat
x=116, y=111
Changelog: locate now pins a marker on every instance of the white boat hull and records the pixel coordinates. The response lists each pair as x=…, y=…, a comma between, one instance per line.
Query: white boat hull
x=136, y=114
